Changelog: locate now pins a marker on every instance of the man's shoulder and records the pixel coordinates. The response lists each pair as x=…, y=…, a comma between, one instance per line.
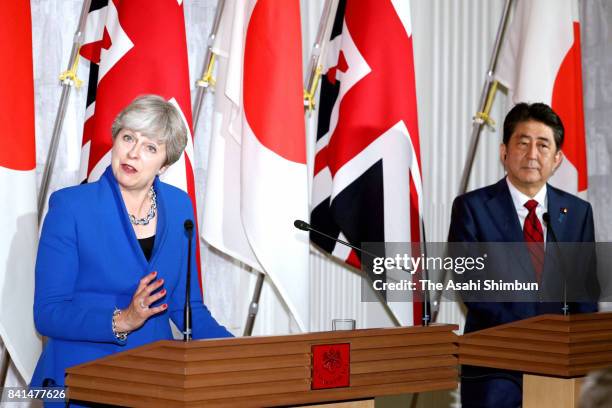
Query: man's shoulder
x=566, y=197
x=483, y=194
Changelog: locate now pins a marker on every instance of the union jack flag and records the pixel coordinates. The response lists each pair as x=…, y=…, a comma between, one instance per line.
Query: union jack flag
x=367, y=177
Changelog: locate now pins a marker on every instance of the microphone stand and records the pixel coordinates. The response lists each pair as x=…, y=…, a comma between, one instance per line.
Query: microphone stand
x=546, y=218
x=304, y=226
x=426, y=305
x=188, y=225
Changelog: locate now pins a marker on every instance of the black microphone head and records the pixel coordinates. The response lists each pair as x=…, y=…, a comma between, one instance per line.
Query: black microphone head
x=188, y=225
x=299, y=224
x=546, y=218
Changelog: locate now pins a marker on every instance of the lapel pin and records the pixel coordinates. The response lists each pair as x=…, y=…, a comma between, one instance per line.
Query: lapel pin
x=562, y=213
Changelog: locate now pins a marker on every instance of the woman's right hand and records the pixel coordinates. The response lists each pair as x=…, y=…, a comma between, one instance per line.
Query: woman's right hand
x=139, y=311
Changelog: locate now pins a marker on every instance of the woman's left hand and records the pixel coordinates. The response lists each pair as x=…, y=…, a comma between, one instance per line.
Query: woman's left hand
x=139, y=311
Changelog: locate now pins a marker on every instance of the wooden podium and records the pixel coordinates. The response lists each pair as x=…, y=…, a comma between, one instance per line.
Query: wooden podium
x=271, y=371
x=554, y=352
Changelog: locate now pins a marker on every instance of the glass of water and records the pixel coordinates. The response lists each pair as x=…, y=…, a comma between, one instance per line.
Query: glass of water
x=343, y=324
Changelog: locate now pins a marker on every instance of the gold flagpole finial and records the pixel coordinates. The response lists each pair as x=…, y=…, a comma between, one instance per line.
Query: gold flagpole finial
x=309, y=102
x=71, y=75
x=309, y=95
x=484, y=116
x=207, y=79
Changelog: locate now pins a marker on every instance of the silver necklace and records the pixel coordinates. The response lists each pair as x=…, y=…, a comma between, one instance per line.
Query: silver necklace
x=150, y=215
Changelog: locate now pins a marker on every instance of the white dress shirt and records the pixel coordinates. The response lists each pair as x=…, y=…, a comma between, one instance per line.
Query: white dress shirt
x=519, y=199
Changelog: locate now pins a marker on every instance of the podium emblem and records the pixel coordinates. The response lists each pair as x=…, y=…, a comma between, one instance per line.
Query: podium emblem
x=331, y=366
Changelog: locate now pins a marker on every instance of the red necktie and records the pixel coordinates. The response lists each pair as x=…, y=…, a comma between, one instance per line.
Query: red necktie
x=534, y=237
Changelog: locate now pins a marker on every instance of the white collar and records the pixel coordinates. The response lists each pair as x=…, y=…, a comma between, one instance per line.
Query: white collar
x=519, y=198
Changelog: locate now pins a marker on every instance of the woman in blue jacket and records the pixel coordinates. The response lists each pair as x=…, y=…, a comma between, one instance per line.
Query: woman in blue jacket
x=112, y=258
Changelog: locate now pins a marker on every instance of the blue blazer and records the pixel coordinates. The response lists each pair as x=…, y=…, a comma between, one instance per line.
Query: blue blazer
x=488, y=215
x=89, y=262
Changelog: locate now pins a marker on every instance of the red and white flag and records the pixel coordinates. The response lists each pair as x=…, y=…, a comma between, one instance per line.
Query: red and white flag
x=18, y=212
x=136, y=47
x=367, y=174
x=540, y=61
x=257, y=179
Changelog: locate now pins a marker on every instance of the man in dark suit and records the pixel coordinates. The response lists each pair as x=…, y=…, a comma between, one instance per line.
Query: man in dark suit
x=512, y=210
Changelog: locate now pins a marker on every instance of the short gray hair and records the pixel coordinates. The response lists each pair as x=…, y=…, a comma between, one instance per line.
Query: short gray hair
x=157, y=119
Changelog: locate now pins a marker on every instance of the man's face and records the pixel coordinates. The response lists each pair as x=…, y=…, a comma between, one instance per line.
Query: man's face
x=531, y=156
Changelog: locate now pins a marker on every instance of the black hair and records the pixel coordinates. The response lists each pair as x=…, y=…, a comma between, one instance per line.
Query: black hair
x=539, y=112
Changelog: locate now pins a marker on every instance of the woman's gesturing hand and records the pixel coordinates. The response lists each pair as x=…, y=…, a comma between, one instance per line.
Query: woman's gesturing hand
x=139, y=311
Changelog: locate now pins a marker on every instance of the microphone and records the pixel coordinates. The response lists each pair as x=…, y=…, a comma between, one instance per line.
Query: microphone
x=188, y=225
x=546, y=218
x=304, y=226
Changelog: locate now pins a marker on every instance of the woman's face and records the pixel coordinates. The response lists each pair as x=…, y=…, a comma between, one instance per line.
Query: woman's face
x=136, y=159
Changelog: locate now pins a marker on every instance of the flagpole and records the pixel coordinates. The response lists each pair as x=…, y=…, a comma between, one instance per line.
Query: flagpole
x=486, y=100
x=209, y=62
x=254, y=306
x=318, y=53
x=6, y=359
x=68, y=79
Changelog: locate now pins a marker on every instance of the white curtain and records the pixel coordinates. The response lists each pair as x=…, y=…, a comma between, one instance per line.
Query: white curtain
x=596, y=19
